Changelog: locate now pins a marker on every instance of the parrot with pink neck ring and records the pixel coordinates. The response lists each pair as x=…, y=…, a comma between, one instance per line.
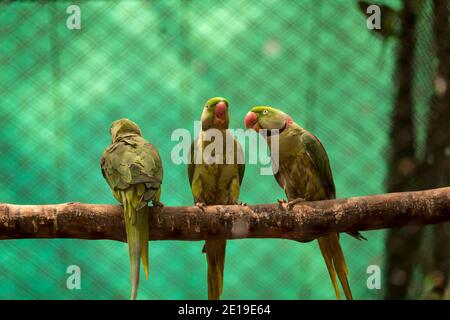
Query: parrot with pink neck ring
x=304, y=173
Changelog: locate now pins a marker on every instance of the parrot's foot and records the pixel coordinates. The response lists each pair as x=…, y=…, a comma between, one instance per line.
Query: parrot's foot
x=288, y=205
x=201, y=205
x=291, y=203
x=282, y=203
x=157, y=203
x=242, y=203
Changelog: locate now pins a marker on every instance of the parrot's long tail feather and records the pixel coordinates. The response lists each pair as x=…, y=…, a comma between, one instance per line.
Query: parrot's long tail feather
x=335, y=261
x=215, y=256
x=134, y=246
x=142, y=221
x=136, y=224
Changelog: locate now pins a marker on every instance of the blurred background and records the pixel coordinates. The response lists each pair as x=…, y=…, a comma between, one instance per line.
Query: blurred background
x=377, y=99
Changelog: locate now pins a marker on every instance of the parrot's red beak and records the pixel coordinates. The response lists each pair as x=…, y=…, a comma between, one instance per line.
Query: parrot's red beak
x=251, y=121
x=221, y=109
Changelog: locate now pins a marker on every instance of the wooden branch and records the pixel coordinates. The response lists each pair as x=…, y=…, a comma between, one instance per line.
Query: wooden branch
x=304, y=222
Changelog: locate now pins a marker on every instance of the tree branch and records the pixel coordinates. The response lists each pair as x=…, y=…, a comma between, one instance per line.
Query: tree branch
x=304, y=222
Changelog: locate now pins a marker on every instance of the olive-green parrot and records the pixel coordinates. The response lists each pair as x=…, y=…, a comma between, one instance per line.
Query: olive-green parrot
x=304, y=173
x=217, y=182
x=133, y=169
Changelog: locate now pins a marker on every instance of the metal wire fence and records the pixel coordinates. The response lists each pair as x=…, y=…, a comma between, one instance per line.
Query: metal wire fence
x=156, y=62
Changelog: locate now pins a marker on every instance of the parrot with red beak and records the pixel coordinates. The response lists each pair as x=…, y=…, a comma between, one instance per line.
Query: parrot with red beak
x=216, y=183
x=304, y=173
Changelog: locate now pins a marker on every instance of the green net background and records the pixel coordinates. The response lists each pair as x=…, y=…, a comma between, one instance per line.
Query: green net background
x=157, y=62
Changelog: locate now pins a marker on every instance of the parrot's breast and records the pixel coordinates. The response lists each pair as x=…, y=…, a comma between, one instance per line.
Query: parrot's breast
x=216, y=182
x=297, y=176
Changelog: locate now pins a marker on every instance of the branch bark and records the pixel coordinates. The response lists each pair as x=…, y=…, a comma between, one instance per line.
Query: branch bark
x=304, y=222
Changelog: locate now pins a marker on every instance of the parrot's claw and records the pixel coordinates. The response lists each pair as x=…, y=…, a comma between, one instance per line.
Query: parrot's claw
x=201, y=205
x=282, y=203
x=291, y=203
x=242, y=203
x=157, y=203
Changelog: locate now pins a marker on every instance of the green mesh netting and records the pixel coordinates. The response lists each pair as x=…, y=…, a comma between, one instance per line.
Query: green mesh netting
x=156, y=62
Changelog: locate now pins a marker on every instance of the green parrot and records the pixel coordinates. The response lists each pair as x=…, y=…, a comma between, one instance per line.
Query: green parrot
x=304, y=173
x=214, y=183
x=133, y=169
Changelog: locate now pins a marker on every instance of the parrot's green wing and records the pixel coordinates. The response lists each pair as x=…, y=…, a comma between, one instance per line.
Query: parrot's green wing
x=191, y=164
x=133, y=161
x=319, y=158
x=240, y=156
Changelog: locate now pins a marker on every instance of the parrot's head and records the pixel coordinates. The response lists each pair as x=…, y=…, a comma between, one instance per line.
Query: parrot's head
x=215, y=114
x=123, y=127
x=264, y=117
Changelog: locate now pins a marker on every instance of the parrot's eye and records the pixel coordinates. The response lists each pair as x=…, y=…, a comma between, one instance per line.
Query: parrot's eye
x=207, y=106
x=265, y=112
